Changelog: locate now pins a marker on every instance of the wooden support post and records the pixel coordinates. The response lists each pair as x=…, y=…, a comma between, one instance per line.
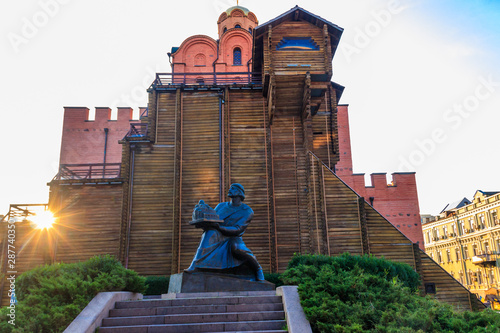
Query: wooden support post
x=227, y=140
x=328, y=51
x=297, y=202
x=365, y=244
x=177, y=188
x=418, y=266
x=306, y=100
x=272, y=201
x=325, y=213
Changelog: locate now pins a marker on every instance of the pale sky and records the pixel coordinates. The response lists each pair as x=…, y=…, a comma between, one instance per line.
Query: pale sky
x=422, y=81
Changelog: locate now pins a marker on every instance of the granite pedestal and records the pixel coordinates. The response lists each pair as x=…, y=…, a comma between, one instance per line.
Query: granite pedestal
x=199, y=282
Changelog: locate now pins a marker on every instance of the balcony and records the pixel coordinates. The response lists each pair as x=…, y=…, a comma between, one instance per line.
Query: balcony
x=83, y=172
x=207, y=79
x=485, y=259
x=137, y=131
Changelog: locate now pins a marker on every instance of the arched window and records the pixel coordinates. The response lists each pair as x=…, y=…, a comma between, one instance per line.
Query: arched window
x=225, y=30
x=237, y=26
x=237, y=56
x=250, y=30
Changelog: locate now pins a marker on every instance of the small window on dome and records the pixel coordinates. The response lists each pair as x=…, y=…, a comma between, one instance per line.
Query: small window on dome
x=250, y=30
x=237, y=56
x=225, y=30
x=237, y=26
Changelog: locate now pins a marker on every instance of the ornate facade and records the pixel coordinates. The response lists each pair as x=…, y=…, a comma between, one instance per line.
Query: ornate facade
x=465, y=241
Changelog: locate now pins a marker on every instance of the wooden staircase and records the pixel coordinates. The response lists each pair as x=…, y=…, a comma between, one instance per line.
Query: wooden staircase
x=260, y=311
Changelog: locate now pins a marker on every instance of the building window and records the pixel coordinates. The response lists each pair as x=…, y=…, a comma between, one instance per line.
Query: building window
x=237, y=26
x=454, y=230
x=471, y=224
x=481, y=221
x=436, y=231
x=448, y=255
x=474, y=250
x=466, y=252
x=428, y=234
x=250, y=30
x=486, y=247
x=457, y=254
x=462, y=227
x=479, y=277
x=491, y=276
x=445, y=231
x=224, y=30
x=461, y=277
x=494, y=217
x=439, y=257
x=237, y=56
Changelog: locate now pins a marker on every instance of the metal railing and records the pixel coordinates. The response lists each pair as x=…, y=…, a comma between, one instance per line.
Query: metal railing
x=137, y=130
x=222, y=78
x=88, y=171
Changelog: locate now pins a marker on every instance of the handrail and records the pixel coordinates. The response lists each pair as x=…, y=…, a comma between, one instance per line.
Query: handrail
x=137, y=130
x=88, y=171
x=207, y=78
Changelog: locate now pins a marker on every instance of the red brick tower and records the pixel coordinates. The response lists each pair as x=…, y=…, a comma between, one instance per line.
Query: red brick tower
x=396, y=201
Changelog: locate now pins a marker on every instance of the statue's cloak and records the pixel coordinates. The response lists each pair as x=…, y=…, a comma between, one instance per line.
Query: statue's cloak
x=214, y=251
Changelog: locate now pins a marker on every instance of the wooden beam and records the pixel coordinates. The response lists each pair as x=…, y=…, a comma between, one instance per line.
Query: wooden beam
x=365, y=245
x=177, y=188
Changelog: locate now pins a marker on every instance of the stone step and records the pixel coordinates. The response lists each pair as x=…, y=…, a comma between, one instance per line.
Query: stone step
x=220, y=294
x=199, y=309
x=228, y=300
x=245, y=326
x=194, y=318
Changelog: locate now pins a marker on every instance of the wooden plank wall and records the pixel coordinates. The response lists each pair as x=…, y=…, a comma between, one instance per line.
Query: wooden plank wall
x=200, y=165
x=246, y=163
x=282, y=59
x=346, y=215
x=292, y=228
x=30, y=251
x=152, y=182
x=89, y=221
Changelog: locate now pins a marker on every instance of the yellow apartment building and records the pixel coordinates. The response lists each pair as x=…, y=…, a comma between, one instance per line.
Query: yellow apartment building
x=465, y=240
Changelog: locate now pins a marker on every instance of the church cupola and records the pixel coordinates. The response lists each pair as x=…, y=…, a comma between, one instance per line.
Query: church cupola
x=237, y=17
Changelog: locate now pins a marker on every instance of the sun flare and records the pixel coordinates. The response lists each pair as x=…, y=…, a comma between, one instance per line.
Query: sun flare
x=43, y=220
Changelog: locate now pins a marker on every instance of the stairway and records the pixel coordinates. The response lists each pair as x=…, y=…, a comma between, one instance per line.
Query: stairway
x=260, y=311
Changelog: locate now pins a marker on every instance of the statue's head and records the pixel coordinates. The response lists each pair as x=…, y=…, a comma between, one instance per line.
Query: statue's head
x=236, y=190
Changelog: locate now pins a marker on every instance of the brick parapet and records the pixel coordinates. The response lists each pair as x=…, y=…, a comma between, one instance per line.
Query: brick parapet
x=83, y=139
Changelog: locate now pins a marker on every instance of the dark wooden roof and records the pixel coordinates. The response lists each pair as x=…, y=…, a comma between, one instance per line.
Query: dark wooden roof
x=294, y=14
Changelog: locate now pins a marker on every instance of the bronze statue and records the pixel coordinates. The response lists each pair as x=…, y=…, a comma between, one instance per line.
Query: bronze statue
x=221, y=246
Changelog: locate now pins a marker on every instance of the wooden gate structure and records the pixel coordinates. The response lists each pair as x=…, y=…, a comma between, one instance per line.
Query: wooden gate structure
x=272, y=130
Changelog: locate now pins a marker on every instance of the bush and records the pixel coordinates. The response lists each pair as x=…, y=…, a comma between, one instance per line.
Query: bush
x=274, y=278
x=366, y=294
x=157, y=285
x=50, y=297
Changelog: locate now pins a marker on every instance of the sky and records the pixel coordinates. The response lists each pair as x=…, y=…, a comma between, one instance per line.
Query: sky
x=422, y=81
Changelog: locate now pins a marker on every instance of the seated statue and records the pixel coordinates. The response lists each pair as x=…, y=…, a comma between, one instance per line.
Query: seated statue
x=221, y=246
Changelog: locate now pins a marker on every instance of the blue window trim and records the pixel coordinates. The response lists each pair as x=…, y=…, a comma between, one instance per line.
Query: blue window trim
x=297, y=44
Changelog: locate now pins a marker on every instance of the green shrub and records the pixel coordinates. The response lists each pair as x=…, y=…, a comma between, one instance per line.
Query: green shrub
x=274, y=278
x=366, y=294
x=157, y=285
x=50, y=297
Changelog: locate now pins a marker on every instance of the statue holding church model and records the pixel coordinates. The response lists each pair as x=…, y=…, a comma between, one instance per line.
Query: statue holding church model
x=221, y=247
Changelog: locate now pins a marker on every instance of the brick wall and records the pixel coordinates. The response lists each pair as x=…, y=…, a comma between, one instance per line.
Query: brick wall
x=83, y=139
